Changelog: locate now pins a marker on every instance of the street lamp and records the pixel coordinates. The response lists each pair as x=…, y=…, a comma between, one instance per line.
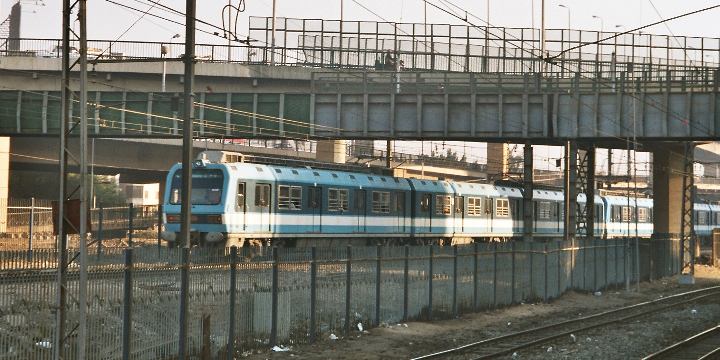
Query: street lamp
x=568, y=11
x=602, y=26
x=164, y=51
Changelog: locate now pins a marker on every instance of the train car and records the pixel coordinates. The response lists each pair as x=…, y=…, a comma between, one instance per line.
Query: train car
x=487, y=212
x=432, y=210
x=548, y=208
x=703, y=218
x=626, y=217
x=260, y=204
x=599, y=229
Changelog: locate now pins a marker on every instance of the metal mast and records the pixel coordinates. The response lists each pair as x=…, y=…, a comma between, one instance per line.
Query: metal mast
x=69, y=125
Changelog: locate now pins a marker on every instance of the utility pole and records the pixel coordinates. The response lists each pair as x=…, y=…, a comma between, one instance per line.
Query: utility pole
x=272, y=41
x=82, y=291
x=186, y=205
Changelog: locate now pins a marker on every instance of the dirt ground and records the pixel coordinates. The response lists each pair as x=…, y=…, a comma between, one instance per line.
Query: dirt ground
x=642, y=337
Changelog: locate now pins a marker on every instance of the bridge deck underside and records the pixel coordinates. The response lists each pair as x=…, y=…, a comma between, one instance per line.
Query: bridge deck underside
x=513, y=116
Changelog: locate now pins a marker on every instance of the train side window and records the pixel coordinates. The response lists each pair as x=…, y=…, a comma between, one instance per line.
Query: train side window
x=642, y=214
x=289, y=197
x=474, y=206
x=627, y=213
x=381, y=202
x=240, y=197
x=338, y=200
x=502, y=207
x=262, y=195
x=443, y=205
x=544, y=210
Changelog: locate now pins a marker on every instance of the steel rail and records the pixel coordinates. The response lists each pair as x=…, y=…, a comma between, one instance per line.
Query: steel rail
x=505, y=345
x=704, y=345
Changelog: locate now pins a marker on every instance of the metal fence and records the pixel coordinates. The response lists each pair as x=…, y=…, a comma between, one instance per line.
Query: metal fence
x=30, y=223
x=287, y=296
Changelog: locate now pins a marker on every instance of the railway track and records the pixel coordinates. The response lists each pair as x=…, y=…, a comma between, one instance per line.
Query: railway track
x=705, y=345
x=507, y=344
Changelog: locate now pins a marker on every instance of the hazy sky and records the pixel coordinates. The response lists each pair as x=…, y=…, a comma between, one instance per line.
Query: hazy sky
x=109, y=21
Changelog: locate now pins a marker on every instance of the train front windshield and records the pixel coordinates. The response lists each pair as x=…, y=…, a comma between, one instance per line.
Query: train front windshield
x=207, y=186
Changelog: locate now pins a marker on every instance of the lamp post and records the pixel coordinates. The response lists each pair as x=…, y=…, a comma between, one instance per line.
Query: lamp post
x=568, y=14
x=164, y=51
x=602, y=26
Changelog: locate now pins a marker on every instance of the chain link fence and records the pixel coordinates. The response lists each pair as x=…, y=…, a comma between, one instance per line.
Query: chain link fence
x=262, y=297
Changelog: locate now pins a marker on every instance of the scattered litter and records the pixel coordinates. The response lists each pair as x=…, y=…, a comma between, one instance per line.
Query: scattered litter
x=365, y=332
x=598, y=293
x=573, y=337
x=588, y=339
x=509, y=323
x=360, y=327
x=693, y=311
x=549, y=349
x=246, y=353
x=404, y=325
x=515, y=355
x=46, y=344
x=280, y=348
x=333, y=337
x=384, y=324
x=410, y=343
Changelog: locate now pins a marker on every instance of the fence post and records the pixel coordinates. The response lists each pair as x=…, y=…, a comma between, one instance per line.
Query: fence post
x=617, y=263
x=127, y=305
x=100, y=233
x=607, y=262
x=184, y=299
x=572, y=263
x=130, y=224
x=378, y=269
x=455, y=274
x=233, y=289
x=559, y=247
x=475, y=276
x=545, y=254
x=406, y=278
x=430, y=282
x=205, y=349
x=274, y=315
x=495, y=275
x=313, y=289
x=348, y=289
x=585, y=251
x=531, y=255
x=651, y=256
x=31, y=228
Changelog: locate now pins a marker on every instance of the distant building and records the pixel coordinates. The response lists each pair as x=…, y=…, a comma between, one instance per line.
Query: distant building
x=141, y=194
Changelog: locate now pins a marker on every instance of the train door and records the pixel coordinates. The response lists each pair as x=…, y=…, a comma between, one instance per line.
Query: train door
x=427, y=211
x=401, y=212
x=361, y=209
x=315, y=208
x=489, y=214
x=459, y=214
x=240, y=220
x=262, y=203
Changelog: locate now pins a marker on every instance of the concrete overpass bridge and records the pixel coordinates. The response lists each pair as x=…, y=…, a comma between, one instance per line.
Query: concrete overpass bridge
x=464, y=83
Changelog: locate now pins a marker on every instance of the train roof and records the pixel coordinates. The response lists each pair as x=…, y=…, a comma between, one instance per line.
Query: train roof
x=552, y=195
x=469, y=189
x=436, y=186
x=582, y=198
x=623, y=200
x=318, y=176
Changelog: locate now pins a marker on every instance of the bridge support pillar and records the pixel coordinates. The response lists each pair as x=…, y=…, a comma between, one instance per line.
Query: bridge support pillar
x=586, y=186
x=497, y=160
x=673, y=191
x=528, y=208
x=331, y=151
x=570, y=209
x=4, y=180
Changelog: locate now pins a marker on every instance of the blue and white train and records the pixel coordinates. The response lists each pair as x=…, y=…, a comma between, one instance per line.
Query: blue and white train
x=246, y=204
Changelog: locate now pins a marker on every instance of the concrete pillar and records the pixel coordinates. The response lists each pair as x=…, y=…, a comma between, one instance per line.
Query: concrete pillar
x=331, y=151
x=497, y=160
x=668, y=167
x=4, y=180
x=528, y=208
x=570, y=210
